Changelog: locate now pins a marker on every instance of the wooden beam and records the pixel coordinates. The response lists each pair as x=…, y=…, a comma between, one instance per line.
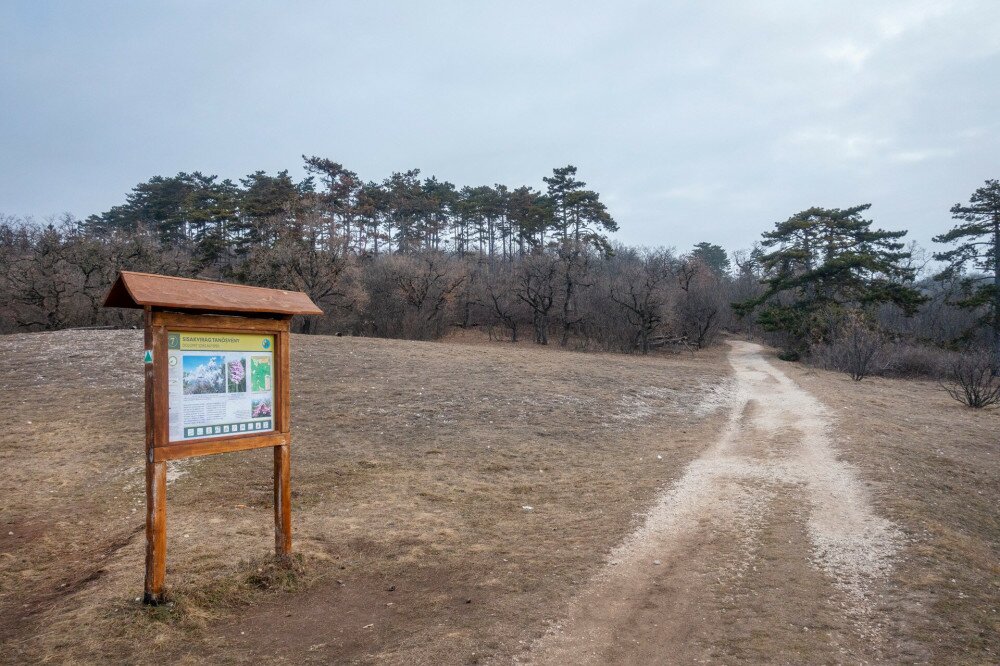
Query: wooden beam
x=161, y=396
x=283, y=392
x=282, y=454
x=282, y=502
x=150, y=387
x=156, y=482
x=207, y=322
x=205, y=447
x=156, y=532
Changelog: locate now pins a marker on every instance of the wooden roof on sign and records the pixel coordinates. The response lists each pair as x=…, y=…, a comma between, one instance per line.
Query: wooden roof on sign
x=139, y=290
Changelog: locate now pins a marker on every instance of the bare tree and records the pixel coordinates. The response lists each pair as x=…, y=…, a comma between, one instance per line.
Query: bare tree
x=311, y=259
x=503, y=304
x=700, y=306
x=574, y=265
x=746, y=285
x=39, y=279
x=971, y=380
x=412, y=296
x=639, y=290
x=536, y=287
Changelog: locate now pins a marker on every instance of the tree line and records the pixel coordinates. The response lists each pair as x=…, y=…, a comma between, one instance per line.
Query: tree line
x=404, y=258
x=221, y=221
x=416, y=257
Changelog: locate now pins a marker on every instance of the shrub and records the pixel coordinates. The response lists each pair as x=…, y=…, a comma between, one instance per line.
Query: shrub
x=915, y=360
x=971, y=380
x=790, y=355
x=857, y=349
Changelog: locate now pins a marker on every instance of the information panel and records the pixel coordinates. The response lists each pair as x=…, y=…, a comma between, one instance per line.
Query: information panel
x=220, y=384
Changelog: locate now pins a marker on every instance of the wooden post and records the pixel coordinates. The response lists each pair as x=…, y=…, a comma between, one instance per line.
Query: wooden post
x=156, y=480
x=282, y=454
x=156, y=531
x=282, y=502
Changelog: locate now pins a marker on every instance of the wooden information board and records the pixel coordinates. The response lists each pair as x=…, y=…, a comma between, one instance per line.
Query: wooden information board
x=217, y=380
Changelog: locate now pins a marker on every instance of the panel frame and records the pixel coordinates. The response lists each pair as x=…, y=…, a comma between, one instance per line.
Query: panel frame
x=159, y=448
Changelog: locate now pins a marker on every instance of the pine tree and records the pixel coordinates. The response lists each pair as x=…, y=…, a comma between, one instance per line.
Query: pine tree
x=438, y=201
x=268, y=205
x=561, y=187
x=405, y=197
x=826, y=262
x=530, y=213
x=372, y=209
x=579, y=214
x=978, y=249
x=339, y=200
x=713, y=256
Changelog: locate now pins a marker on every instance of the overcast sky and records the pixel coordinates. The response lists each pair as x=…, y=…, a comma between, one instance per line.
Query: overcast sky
x=694, y=120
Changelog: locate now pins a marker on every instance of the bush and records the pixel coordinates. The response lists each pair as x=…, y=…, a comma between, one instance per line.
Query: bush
x=856, y=349
x=790, y=355
x=914, y=360
x=971, y=380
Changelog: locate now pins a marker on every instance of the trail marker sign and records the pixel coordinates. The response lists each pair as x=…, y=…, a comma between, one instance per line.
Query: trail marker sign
x=217, y=380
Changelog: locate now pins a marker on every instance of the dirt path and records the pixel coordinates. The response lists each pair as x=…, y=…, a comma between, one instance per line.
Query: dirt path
x=767, y=549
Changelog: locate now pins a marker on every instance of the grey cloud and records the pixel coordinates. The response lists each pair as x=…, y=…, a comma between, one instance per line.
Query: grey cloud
x=696, y=121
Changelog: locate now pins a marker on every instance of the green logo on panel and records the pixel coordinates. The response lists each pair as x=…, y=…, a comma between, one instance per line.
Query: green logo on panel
x=149, y=356
x=173, y=340
x=265, y=343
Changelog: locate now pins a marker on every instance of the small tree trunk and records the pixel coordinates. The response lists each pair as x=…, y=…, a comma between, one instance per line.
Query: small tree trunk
x=995, y=364
x=541, y=329
x=468, y=314
x=567, y=307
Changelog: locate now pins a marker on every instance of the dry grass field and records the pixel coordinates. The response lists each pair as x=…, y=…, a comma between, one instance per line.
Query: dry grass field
x=452, y=500
x=413, y=465
x=934, y=467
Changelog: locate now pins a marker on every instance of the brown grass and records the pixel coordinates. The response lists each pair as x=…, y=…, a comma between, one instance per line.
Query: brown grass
x=936, y=468
x=412, y=463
